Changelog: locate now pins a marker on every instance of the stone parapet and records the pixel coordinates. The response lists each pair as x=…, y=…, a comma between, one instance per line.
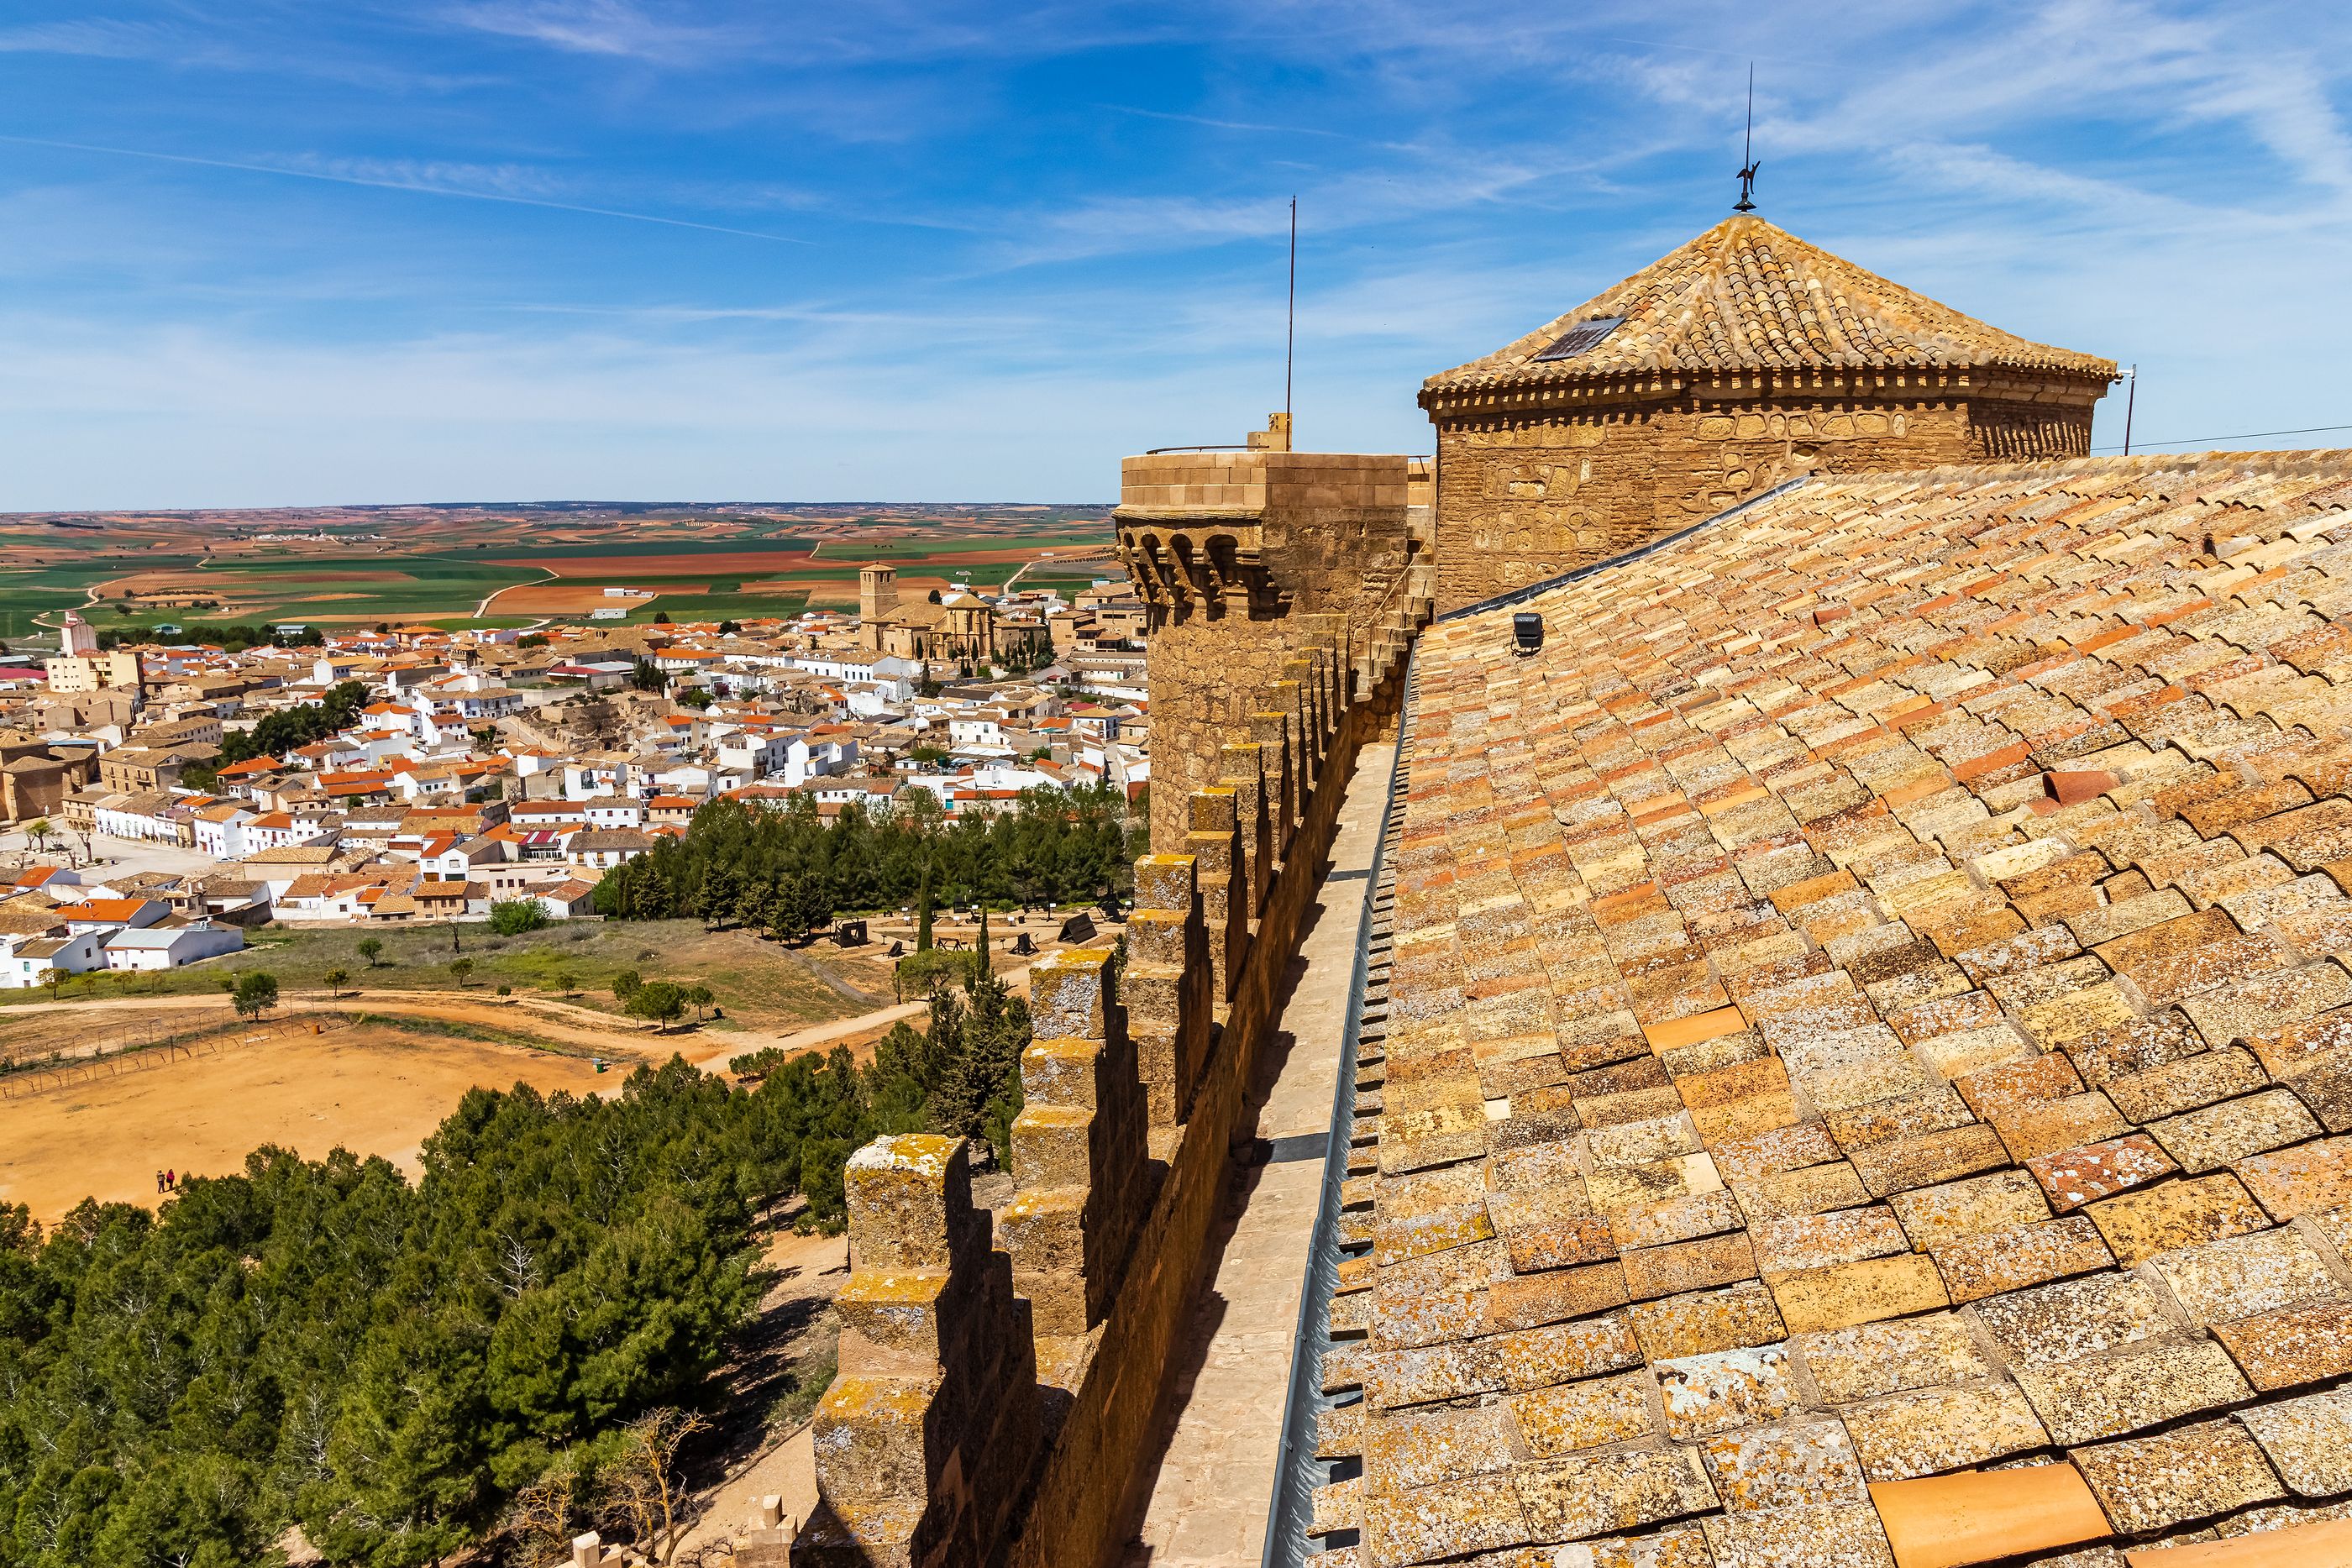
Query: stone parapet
x=1214, y=844
x=1077, y=1152
x=1167, y=986
x=1271, y=730
x=1124, y=1141
x=925, y=1440
x=1244, y=774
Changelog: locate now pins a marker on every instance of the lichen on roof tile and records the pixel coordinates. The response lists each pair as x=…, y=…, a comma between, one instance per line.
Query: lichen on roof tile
x=1921, y=889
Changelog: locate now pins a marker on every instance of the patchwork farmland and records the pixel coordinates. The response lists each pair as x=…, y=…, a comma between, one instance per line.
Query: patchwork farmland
x=515, y=565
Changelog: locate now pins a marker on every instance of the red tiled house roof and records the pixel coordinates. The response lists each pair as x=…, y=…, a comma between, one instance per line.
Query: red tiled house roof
x=1870, y=1002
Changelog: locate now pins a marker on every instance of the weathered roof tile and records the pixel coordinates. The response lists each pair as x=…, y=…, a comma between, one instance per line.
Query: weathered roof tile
x=2195, y=1473
x=1749, y=907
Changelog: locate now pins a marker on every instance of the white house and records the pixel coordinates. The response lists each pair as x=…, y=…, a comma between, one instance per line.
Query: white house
x=136, y=817
x=568, y=900
x=104, y=915
x=586, y=778
x=604, y=847
x=479, y=707
x=25, y=959
x=979, y=728
x=171, y=947
x=758, y=753
x=220, y=830
x=616, y=811
x=808, y=757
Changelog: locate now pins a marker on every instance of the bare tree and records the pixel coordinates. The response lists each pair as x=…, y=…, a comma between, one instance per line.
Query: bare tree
x=646, y=1488
x=542, y=1515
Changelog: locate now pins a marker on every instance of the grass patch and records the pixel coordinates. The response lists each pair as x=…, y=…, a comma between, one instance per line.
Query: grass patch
x=752, y=978
x=811, y=1375
x=453, y=1029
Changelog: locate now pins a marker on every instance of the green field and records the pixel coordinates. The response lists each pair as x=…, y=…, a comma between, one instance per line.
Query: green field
x=438, y=567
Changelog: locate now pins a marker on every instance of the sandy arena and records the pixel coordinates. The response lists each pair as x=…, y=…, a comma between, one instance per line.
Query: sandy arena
x=371, y=1089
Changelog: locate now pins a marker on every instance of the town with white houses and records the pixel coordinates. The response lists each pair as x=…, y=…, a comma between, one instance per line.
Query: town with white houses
x=163, y=798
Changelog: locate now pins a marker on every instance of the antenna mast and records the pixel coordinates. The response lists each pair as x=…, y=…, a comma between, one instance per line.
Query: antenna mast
x=1290, y=325
x=2131, y=397
x=1747, y=162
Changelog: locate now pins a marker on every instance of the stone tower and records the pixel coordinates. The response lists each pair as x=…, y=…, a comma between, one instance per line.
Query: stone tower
x=1743, y=359
x=877, y=592
x=1247, y=558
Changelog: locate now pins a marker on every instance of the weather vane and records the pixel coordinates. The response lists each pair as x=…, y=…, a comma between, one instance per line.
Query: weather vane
x=1750, y=162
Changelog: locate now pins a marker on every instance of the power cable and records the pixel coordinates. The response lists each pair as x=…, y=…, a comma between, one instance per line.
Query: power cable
x=2250, y=436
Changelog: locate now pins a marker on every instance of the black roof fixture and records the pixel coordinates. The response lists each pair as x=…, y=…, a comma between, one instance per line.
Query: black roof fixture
x=1581, y=339
x=1527, y=633
x=1748, y=162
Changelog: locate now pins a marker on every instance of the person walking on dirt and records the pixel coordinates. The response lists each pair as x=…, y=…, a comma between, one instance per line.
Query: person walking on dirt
x=159, y=1179
x=171, y=1181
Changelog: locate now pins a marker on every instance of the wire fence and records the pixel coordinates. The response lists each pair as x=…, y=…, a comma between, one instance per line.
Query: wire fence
x=152, y=1042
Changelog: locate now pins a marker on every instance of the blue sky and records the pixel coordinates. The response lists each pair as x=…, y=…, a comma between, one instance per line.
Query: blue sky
x=327, y=250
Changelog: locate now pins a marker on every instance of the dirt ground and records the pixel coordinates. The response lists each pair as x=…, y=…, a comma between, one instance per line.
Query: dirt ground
x=556, y=599
x=371, y=1089
x=794, y=1325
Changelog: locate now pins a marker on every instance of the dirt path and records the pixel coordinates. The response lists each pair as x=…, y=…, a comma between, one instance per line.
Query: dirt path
x=558, y=1023
x=810, y=1272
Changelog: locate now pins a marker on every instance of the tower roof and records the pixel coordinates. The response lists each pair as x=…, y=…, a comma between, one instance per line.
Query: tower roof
x=1747, y=294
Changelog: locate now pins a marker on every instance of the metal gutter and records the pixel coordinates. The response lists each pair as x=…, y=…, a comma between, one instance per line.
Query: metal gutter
x=1298, y=1472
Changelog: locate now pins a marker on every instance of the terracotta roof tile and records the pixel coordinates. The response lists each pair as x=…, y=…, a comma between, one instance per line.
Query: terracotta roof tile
x=1747, y=294
x=1811, y=1010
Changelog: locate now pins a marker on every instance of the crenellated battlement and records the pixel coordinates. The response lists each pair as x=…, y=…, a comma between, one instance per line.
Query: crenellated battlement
x=1269, y=573
x=1000, y=1387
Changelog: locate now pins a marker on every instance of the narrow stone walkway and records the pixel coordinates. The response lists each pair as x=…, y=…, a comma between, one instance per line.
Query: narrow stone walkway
x=1214, y=1485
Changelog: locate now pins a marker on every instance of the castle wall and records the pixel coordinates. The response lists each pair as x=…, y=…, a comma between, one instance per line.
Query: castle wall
x=1227, y=549
x=997, y=1405
x=1527, y=494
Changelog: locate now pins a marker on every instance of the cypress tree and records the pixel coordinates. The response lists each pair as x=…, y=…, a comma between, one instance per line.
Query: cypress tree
x=923, y=912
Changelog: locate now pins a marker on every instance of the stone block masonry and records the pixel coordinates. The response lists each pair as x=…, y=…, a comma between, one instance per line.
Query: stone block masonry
x=997, y=1404
x=1077, y=1154
x=1534, y=485
x=1168, y=986
x=1251, y=564
x=923, y=1440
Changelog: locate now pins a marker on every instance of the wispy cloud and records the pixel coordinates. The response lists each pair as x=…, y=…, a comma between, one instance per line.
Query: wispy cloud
x=615, y=29
x=98, y=37
x=467, y=181
x=1216, y=124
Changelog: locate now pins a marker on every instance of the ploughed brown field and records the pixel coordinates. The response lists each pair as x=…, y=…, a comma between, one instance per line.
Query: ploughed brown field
x=560, y=599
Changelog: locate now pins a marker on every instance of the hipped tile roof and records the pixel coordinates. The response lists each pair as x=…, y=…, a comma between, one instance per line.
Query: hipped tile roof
x=1750, y=296
x=1869, y=1003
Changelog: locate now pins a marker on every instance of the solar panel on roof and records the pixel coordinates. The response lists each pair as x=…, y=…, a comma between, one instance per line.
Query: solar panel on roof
x=1580, y=339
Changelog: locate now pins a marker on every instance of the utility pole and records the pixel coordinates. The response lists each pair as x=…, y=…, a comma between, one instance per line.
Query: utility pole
x=1290, y=327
